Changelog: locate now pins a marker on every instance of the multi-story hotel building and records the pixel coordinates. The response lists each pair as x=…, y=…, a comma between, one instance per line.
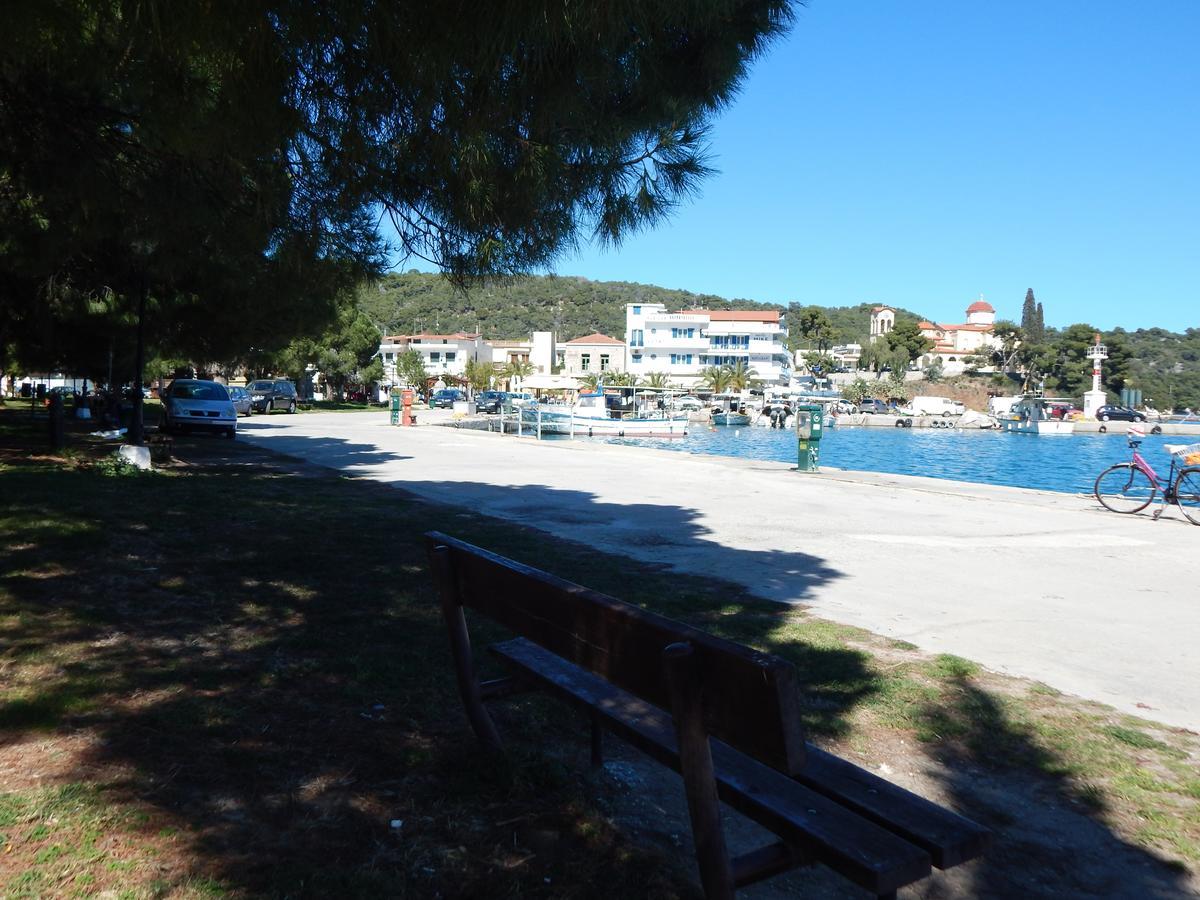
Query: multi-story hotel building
x=682, y=344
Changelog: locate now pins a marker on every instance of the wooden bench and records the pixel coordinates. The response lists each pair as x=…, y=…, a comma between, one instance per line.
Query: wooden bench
x=726, y=717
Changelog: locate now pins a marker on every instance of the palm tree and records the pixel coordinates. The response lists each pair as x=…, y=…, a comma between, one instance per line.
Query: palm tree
x=621, y=379
x=591, y=381
x=657, y=380
x=516, y=370
x=715, y=378
x=741, y=376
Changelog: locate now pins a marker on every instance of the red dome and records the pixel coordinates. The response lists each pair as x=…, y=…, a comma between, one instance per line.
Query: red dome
x=980, y=306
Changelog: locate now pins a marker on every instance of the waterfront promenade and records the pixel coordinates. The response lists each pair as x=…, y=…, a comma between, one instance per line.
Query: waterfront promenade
x=1036, y=584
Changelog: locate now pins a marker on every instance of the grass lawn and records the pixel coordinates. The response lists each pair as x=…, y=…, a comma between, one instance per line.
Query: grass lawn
x=229, y=677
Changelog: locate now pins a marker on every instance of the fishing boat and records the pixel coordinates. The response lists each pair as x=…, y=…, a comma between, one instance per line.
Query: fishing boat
x=604, y=415
x=1031, y=415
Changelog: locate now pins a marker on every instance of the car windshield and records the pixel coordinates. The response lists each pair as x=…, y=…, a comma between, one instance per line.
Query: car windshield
x=198, y=390
x=262, y=385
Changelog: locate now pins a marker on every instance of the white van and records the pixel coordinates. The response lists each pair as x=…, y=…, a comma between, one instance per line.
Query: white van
x=934, y=406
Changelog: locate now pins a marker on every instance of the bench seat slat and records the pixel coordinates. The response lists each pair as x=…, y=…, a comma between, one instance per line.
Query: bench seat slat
x=861, y=850
x=949, y=838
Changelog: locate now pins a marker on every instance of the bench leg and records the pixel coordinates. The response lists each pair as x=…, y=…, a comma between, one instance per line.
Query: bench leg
x=695, y=763
x=460, y=649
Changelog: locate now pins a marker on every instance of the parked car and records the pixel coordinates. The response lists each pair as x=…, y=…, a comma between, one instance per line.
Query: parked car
x=446, y=398
x=192, y=404
x=1119, y=414
x=267, y=394
x=688, y=404
x=873, y=405
x=1061, y=410
x=490, y=401
x=240, y=397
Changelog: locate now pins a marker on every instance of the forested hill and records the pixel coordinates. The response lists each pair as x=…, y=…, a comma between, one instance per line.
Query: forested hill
x=570, y=306
x=1164, y=365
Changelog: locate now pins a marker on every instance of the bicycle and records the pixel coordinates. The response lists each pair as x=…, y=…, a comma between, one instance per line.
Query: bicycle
x=1131, y=487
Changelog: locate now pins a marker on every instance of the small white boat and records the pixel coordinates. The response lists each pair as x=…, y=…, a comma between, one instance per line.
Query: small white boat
x=590, y=416
x=723, y=417
x=1031, y=415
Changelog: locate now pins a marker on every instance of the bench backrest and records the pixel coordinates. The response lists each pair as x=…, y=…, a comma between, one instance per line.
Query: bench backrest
x=751, y=699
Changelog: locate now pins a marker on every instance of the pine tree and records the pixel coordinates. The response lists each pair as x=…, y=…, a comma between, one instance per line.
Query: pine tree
x=1040, y=324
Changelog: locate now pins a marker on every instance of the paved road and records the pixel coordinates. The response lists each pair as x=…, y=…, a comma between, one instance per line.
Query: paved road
x=1042, y=585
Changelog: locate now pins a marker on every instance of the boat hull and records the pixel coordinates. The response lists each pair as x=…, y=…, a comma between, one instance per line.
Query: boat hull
x=730, y=419
x=1045, y=426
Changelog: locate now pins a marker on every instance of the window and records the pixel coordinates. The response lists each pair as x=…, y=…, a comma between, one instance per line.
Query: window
x=637, y=310
x=637, y=338
x=603, y=362
x=683, y=332
x=681, y=359
x=585, y=361
x=435, y=356
x=450, y=354
x=388, y=357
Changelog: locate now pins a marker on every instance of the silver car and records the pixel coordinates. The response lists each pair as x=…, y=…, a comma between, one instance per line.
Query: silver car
x=240, y=397
x=192, y=404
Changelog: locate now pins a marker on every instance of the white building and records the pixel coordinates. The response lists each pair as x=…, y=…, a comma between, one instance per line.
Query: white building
x=682, y=344
x=953, y=344
x=443, y=354
x=883, y=320
x=594, y=353
x=539, y=351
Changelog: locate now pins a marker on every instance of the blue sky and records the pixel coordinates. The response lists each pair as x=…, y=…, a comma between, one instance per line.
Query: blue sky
x=921, y=154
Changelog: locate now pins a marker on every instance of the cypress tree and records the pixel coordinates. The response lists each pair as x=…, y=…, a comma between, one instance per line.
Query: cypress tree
x=1029, y=314
x=1040, y=324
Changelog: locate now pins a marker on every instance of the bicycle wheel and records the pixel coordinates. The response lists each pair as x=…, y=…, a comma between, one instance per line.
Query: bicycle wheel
x=1124, y=488
x=1187, y=494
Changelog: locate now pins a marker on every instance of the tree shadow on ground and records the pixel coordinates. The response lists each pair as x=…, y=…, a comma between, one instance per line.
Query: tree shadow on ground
x=1053, y=834
x=258, y=660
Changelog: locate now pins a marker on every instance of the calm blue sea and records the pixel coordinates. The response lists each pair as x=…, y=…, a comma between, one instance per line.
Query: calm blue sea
x=1065, y=463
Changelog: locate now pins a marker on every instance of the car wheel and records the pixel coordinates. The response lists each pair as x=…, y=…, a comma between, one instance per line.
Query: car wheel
x=1104, y=418
x=292, y=407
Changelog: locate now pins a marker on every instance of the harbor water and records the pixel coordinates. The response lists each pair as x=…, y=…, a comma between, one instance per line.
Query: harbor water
x=1067, y=463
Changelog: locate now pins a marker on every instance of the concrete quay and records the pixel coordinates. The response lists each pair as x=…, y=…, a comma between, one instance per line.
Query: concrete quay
x=1038, y=584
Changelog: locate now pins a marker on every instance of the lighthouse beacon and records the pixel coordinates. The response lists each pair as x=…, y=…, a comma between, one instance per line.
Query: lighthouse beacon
x=1095, y=398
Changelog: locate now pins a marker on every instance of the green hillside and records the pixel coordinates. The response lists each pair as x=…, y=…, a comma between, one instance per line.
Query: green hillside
x=1164, y=365
x=510, y=309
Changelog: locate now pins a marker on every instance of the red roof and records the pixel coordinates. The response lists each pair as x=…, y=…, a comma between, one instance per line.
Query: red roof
x=595, y=338
x=735, y=315
x=980, y=306
x=934, y=326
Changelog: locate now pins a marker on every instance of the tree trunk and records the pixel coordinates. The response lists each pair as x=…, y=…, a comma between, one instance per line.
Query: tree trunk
x=137, y=432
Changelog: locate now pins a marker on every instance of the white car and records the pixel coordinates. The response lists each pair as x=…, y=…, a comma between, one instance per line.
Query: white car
x=687, y=404
x=192, y=404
